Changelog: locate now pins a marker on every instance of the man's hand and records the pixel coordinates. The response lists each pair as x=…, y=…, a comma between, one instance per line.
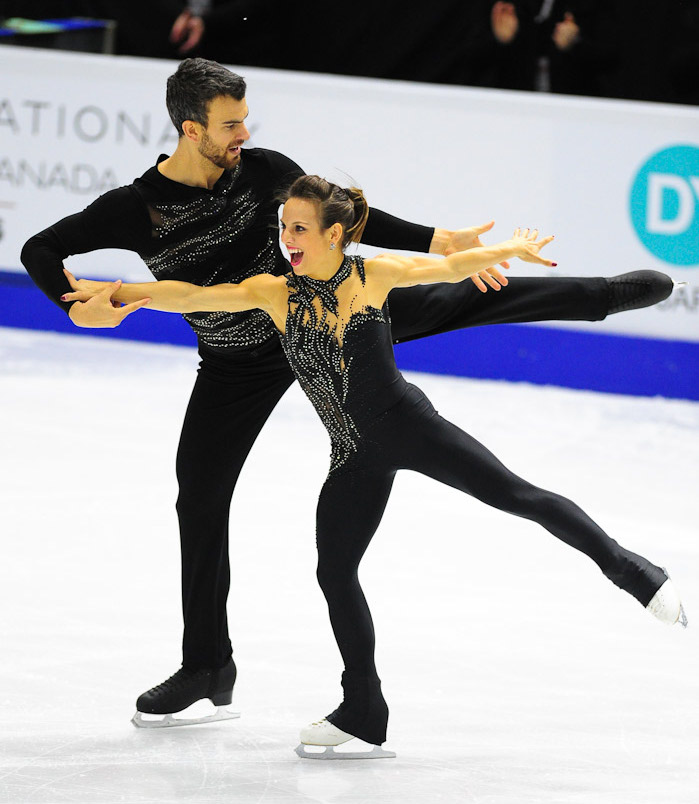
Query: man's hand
x=94, y=306
x=464, y=239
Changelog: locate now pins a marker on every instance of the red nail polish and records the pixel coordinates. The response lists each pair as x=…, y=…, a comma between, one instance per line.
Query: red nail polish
x=554, y=264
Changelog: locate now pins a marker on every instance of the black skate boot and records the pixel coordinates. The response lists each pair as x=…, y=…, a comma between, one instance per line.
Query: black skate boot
x=181, y=691
x=637, y=289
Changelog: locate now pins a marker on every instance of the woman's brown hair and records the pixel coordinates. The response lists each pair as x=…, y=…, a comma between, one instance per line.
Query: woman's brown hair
x=347, y=207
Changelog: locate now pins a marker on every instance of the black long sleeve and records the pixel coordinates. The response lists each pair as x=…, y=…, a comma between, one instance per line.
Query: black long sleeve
x=387, y=231
x=139, y=218
x=117, y=219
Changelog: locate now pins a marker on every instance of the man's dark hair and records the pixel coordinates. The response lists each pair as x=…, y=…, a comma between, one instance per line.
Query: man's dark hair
x=195, y=84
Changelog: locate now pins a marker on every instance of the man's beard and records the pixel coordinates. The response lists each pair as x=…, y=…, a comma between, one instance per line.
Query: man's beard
x=217, y=156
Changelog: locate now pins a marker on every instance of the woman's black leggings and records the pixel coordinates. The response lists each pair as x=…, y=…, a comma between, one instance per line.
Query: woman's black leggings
x=412, y=435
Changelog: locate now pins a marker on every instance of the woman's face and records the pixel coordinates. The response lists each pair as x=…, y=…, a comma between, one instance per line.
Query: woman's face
x=302, y=236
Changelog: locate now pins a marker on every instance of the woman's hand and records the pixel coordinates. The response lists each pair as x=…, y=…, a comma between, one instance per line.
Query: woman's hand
x=85, y=289
x=95, y=305
x=528, y=246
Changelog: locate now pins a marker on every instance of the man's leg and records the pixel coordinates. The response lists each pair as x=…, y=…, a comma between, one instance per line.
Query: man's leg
x=231, y=401
x=431, y=309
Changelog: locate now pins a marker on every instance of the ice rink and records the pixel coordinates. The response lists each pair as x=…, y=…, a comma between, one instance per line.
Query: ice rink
x=514, y=670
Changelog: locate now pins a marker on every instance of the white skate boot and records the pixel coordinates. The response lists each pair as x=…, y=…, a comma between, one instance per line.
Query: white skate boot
x=323, y=735
x=666, y=605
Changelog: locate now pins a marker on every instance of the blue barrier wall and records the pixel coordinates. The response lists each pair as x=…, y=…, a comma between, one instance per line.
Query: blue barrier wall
x=514, y=352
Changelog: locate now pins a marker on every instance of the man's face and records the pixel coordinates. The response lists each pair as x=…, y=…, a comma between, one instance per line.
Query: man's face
x=225, y=133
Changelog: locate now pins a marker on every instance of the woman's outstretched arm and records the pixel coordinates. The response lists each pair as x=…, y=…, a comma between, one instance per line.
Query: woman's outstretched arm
x=181, y=297
x=397, y=271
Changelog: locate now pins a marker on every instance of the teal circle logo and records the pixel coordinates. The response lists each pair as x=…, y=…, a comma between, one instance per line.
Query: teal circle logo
x=665, y=205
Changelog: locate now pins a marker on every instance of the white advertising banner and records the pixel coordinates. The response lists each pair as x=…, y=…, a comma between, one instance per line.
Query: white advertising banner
x=617, y=182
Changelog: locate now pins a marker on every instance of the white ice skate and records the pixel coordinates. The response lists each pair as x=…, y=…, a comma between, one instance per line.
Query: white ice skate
x=189, y=717
x=319, y=741
x=666, y=605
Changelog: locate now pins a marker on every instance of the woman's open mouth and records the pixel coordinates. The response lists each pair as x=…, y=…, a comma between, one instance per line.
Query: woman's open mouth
x=295, y=256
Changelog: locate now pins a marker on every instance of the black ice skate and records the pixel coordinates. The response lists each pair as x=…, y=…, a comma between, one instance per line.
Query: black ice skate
x=638, y=289
x=182, y=690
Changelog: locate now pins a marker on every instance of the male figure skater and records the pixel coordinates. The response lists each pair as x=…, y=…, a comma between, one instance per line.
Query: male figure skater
x=207, y=214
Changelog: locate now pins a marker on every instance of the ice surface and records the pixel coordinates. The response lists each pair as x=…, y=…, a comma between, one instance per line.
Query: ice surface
x=514, y=671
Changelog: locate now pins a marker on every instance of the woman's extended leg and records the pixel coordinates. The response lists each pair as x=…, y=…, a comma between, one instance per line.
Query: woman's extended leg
x=439, y=449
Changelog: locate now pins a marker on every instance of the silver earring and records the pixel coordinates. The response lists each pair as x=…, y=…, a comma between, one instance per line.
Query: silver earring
x=332, y=246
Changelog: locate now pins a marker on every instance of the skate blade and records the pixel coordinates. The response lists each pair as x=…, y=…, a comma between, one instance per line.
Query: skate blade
x=328, y=752
x=145, y=721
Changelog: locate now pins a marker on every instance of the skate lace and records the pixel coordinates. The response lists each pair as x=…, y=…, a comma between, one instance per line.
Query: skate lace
x=178, y=679
x=626, y=291
x=623, y=289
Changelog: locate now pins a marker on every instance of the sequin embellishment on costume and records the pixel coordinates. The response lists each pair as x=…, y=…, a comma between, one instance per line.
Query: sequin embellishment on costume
x=318, y=324
x=184, y=245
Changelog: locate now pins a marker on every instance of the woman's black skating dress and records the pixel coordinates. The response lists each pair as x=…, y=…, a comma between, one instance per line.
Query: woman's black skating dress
x=339, y=347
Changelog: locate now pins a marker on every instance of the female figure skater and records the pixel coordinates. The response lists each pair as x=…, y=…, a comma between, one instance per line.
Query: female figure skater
x=331, y=313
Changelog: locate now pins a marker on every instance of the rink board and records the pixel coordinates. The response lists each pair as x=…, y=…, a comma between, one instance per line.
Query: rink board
x=515, y=352
x=616, y=181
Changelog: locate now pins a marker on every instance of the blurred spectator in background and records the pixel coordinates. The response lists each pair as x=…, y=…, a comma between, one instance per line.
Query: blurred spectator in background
x=566, y=46
x=636, y=49
x=238, y=32
x=143, y=27
x=683, y=66
x=659, y=51
x=188, y=29
x=386, y=39
x=644, y=49
x=397, y=40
